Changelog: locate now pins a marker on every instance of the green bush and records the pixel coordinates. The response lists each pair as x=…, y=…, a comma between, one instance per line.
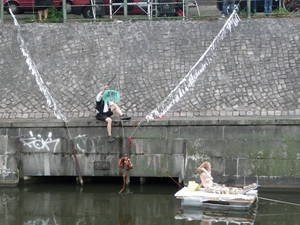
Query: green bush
x=281, y=11
x=55, y=15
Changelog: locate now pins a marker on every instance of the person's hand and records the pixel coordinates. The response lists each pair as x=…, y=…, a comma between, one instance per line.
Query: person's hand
x=104, y=88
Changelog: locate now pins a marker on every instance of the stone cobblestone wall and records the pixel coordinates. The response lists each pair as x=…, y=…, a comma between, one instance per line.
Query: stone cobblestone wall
x=255, y=71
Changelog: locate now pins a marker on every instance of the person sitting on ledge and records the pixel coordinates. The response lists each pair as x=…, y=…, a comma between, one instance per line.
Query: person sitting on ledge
x=205, y=175
x=106, y=106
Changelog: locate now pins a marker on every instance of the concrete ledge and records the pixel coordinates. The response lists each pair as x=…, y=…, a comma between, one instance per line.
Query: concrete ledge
x=204, y=121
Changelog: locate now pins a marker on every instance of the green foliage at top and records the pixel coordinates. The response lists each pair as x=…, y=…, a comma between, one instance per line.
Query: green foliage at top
x=281, y=11
x=55, y=15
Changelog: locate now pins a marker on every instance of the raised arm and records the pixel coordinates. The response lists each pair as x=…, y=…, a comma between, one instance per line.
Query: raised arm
x=100, y=94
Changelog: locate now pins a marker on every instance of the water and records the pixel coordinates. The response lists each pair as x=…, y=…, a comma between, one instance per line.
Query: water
x=99, y=203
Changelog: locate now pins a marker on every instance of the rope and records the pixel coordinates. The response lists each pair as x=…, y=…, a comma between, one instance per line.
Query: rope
x=130, y=140
x=178, y=184
x=277, y=214
x=130, y=143
x=190, y=78
x=278, y=201
x=51, y=101
x=168, y=174
x=77, y=165
x=187, y=82
x=136, y=128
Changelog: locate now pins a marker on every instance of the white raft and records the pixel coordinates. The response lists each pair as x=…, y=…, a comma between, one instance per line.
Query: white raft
x=201, y=198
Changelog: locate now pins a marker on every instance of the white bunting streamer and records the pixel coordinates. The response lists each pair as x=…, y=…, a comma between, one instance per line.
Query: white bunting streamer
x=51, y=102
x=191, y=77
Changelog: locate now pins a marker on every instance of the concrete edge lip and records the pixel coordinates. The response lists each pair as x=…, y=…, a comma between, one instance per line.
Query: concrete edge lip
x=203, y=121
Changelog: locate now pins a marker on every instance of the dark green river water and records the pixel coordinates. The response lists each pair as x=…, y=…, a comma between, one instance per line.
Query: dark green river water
x=97, y=203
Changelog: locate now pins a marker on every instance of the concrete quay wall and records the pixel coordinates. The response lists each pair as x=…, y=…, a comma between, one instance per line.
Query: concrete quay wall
x=265, y=151
x=242, y=114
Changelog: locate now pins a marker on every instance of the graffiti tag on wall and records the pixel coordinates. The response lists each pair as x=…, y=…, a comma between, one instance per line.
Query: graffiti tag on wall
x=41, y=221
x=38, y=143
x=50, y=221
x=81, y=142
x=4, y=170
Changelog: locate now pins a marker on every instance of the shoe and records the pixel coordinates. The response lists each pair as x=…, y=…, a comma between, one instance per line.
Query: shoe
x=111, y=139
x=124, y=117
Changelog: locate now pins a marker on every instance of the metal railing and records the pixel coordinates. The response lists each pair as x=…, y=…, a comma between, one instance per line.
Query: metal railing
x=97, y=10
x=1, y=11
x=108, y=9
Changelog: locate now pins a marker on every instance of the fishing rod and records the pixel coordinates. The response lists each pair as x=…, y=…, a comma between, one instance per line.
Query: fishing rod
x=111, y=80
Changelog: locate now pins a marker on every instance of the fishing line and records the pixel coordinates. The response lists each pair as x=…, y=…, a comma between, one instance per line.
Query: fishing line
x=277, y=214
x=178, y=184
x=279, y=201
x=165, y=172
x=191, y=77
